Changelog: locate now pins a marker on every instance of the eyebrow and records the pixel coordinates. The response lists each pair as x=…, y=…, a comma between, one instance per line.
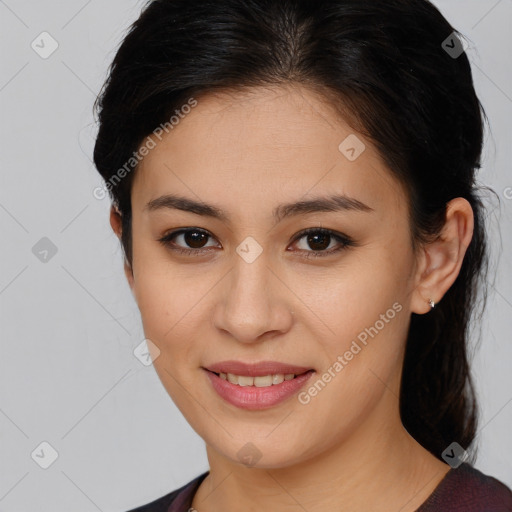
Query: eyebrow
x=333, y=203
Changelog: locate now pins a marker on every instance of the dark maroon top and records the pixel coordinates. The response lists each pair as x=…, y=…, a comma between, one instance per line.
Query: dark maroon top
x=464, y=489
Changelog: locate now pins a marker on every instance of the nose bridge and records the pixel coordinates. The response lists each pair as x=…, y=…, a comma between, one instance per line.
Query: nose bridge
x=251, y=270
x=250, y=290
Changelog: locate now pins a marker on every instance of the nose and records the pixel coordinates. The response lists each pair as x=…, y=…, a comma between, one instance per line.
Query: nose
x=254, y=303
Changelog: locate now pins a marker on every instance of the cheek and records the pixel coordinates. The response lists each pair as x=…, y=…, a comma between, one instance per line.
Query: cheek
x=359, y=296
x=367, y=315
x=360, y=363
x=163, y=292
x=167, y=310
x=170, y=321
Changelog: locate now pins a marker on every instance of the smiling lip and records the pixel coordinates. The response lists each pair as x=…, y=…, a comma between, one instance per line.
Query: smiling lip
x=256, y=369
x=253, y=397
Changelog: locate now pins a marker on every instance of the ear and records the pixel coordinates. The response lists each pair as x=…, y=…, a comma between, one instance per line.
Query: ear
x=116, y=223
x=440, y=261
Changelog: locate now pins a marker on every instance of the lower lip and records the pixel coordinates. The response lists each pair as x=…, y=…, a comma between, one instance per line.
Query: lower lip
x=254, y=398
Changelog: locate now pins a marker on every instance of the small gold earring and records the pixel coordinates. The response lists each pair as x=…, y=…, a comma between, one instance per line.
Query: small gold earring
x=431, y=303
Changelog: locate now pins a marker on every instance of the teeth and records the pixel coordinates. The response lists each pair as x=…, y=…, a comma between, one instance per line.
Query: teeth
x=245, y=381
x=232, y=378
x=260, y=382
x=263, y=381
x=277, y=379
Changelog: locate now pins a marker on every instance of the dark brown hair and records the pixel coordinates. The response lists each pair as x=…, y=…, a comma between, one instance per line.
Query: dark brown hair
x=384, y=66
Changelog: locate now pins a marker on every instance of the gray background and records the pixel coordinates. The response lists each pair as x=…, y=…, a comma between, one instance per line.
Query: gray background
x=69, y=325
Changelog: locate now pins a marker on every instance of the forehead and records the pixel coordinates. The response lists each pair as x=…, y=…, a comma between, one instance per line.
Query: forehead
x=260, y=145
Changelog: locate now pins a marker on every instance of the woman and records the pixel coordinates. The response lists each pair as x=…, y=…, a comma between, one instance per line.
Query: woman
x=293, y=187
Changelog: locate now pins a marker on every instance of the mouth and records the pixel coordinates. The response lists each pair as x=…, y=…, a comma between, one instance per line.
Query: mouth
x=260, y=381
x=256, y=369
x=256, y=386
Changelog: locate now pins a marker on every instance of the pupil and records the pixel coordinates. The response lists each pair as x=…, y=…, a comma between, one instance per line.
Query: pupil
x=193, y=238
x=325, y=237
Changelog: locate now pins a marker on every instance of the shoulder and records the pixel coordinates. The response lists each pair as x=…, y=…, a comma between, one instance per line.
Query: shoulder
x=177, y=500
x=469, y=490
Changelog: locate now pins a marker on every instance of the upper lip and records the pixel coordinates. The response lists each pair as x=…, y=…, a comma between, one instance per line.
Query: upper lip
x=256, y=369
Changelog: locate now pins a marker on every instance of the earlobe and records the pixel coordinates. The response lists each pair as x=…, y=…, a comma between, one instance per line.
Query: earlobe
x=116, y=221
x=442, y=259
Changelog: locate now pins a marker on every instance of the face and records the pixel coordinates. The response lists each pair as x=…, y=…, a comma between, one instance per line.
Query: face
x=254, y=288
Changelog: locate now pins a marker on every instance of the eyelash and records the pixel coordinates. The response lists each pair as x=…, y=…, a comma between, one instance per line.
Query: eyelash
x=342, y=239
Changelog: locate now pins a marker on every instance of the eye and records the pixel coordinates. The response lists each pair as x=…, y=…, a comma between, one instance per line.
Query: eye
x=319, y=239
x=194, y=237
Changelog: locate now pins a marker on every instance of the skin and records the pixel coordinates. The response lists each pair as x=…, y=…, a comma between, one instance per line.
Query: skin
x=246, y=153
